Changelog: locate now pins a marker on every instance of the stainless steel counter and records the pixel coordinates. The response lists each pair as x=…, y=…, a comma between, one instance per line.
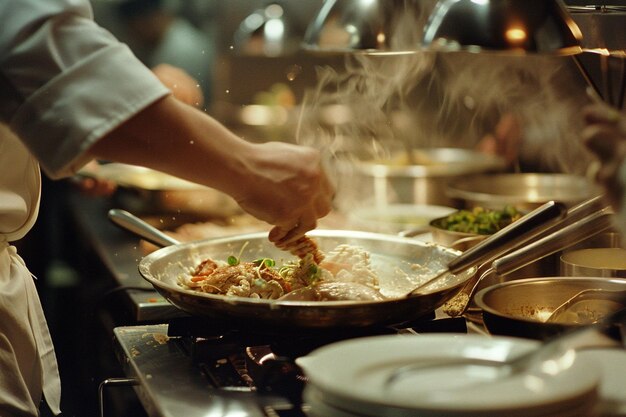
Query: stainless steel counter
x=170, y=385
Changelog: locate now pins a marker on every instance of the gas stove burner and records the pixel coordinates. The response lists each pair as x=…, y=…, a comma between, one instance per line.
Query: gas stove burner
x=210, y=328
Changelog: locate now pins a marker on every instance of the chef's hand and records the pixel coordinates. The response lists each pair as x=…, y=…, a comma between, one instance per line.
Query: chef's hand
x=279, y=183
x=288, y=189
x=94, y=186
x=183, y=86
x=605, y=136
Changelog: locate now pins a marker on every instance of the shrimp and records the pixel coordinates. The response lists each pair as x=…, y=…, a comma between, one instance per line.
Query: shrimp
x=304, y=246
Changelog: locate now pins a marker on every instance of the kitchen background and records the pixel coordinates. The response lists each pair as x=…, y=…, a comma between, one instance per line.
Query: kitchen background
x=265, y=87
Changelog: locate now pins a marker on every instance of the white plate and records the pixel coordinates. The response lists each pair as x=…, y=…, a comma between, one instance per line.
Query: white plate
x=613, y=386
x=353, y=376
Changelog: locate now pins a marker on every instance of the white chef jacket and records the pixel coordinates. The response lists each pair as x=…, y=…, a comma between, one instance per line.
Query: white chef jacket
x=64, y=83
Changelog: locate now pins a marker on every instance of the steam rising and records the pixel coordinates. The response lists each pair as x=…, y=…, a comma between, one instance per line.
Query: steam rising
x=376, y=105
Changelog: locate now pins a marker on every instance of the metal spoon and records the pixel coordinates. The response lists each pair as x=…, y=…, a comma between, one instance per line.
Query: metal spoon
x=618, y=296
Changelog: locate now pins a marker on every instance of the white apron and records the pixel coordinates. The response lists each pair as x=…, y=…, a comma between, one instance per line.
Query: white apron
x=28, y=365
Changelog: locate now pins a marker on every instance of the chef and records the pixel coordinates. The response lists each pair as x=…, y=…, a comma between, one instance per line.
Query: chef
x=605, y=136
x=69, y=93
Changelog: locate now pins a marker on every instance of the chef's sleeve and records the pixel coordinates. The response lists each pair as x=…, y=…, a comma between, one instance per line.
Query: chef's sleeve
x=65, y=82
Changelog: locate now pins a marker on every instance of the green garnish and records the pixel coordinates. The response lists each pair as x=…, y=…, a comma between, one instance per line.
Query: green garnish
x=267, y=262
x=479, y=220
x=234, y=260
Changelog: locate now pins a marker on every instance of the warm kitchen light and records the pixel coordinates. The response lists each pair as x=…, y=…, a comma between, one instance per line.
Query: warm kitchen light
x=364, y=26
x=510, y=26
x=515, y=36
x=513, y=26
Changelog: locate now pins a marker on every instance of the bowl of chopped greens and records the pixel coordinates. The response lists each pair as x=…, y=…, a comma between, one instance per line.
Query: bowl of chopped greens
x=463, y=229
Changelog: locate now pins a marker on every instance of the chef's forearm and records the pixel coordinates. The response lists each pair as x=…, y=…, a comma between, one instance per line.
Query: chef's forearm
x=174, y=137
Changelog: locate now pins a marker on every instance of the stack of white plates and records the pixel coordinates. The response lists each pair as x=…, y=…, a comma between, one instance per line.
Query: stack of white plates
x=372, y=377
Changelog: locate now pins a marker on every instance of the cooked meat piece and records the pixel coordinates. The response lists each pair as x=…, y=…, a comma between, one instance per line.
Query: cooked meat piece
x=245, y=280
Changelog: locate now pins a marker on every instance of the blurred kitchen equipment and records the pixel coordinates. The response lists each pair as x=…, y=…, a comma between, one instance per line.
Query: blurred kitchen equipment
x=144, y=190
x=389, y=254
x=594, y=262
x=384, y=182
x=523, y=191
x=520, y=308
x=521, y=27
x=362, y=26
x=513, y=26
x=266, y=32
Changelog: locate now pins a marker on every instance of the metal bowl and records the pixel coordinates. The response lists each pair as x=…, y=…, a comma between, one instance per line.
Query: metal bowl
x=455, y=239
x=524, y=191
x=397, y=180
x=594, y=262
x=520, y=308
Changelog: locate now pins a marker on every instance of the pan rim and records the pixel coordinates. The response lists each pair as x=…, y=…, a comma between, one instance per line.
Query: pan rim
x=145, y=262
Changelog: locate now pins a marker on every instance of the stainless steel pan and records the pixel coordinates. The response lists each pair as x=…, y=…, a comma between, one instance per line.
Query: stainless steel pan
x=389, y=254
x=417, y=277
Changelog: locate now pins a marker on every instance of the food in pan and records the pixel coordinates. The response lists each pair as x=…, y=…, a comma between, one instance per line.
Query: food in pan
x=344, y=274
x=478, y=220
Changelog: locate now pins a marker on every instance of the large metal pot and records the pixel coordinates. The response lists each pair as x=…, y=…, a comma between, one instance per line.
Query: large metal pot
x=524, y=191
x=399, y=181
x=389, y=254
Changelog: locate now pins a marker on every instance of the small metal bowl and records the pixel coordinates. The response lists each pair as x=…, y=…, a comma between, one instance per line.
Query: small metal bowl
x=455, y=239
x=524, y=191
x=521, y=307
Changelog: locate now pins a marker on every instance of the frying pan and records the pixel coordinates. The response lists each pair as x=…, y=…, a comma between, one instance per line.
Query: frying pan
x=390, y=254
x=417, y=277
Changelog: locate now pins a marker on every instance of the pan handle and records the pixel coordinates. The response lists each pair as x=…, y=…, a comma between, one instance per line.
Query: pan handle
x=570, y=235
x=514, y=234
x=140, y=228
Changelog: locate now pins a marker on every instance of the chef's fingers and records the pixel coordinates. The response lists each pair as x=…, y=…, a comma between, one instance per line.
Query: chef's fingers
x=96, y=187
x=283, y=237
x=303, y=246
